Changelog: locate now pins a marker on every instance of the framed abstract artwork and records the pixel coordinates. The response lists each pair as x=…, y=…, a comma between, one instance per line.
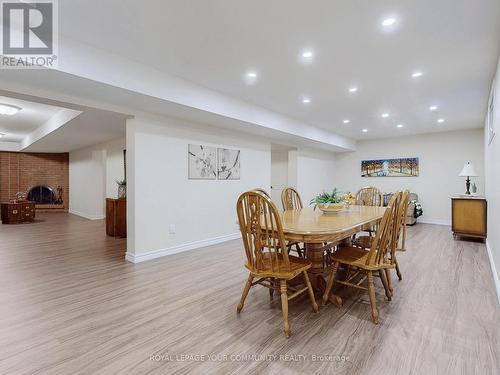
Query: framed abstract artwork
x=402, y=167
x=228, y=164
x=202, y=162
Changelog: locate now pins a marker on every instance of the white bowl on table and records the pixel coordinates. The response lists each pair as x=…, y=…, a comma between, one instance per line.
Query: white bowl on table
x=331, y=208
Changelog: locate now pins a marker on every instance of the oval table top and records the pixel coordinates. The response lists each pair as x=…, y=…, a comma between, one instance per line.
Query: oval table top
x=307, y=223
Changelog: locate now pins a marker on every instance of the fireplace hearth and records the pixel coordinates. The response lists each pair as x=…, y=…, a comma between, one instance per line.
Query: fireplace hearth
x=42, y=195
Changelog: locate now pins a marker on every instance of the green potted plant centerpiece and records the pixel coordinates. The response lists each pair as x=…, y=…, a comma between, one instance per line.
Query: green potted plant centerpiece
x=329, y=203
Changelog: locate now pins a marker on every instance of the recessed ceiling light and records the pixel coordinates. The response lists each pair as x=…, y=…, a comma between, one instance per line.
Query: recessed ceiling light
x=346, y=121
x=417, y=74
x=385, y=115
x=440, y=120
x=388, y=21
x=9, y=110
x=399, y=125
x=306, y=100
x=306, y=56
x=353, y=89
x=1, y=135
x=250, y=77
x=365, y=130
x=433, y=108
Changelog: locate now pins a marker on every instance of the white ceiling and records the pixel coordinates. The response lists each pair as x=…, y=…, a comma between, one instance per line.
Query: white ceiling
x=31, y=116
x=212, y=43
x=81, y=94
x=43, y=126
x=90, y=128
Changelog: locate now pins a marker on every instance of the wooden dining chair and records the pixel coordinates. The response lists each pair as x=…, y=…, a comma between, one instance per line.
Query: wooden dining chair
x=365, y=242
x=267, y=258
x=291, y=246
x=379, y=259
x=400, y=231
x=369, y=196
x=403, y=235
x=290, y=199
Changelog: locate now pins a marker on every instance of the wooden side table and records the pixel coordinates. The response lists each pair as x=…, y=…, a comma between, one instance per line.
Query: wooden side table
x=19, y=212
x=116, y=217
x=469, y=217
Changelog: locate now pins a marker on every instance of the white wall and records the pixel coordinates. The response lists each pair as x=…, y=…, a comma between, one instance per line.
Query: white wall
x=115, y=168
x=87, y=170
x=492, y=162
x=161, y=195
x=312, y=172
x=441, y=157
x=93, y=172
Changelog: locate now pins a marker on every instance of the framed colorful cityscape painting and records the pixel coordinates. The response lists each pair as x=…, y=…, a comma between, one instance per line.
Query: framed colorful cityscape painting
x=403, y=167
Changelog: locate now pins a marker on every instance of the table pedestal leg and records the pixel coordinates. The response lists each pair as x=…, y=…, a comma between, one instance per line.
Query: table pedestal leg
x=315, y=253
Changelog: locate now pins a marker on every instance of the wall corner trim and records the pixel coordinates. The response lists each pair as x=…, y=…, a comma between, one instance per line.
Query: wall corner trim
x=493, y=270
x=87, y=216
x=149, y=255
x=434, y=221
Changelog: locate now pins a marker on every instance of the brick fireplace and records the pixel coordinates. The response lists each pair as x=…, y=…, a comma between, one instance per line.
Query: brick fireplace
x=44, y=176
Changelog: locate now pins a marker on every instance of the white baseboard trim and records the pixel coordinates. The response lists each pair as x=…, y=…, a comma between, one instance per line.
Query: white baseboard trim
x=434, y=221
x=142, y=257
x=493, y=270
x=86, y=216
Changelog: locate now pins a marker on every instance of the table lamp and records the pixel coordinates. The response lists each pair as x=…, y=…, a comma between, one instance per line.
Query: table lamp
x=468, y=171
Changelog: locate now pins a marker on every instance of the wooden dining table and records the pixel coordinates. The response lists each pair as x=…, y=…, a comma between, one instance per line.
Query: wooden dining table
x=314, y=229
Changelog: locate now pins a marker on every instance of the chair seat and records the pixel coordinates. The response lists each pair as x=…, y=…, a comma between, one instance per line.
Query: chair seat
x=355, y=256
x=364, y=242
x=297, y=265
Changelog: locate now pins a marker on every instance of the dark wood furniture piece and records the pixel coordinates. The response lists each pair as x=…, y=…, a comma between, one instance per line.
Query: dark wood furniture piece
x=116, y=217
x=20, y=212
x=469, y=217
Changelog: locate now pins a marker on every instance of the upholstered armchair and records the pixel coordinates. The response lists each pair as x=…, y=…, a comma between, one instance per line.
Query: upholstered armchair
x=412, y=199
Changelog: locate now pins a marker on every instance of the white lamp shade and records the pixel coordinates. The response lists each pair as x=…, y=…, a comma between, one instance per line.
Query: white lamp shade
x=468, y=171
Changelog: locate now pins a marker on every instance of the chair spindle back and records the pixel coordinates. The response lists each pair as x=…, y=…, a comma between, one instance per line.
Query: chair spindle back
x=260, y=190
x=382, y=244
x=262, y=233
x=290, y=199
x=401, y=217
x=369, y=196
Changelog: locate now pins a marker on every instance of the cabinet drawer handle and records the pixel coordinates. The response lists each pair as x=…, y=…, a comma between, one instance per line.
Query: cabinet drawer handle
x=14, y=212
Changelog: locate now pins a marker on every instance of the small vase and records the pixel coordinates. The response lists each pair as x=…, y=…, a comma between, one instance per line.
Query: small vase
x=122, y=191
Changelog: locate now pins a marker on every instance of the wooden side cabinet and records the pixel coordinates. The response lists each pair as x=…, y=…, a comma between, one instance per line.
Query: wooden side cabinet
x=116, y=217
x=20, y=212
x=469, y=217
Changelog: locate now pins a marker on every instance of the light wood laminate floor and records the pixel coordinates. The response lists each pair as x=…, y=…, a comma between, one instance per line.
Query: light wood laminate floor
x=70, y=304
